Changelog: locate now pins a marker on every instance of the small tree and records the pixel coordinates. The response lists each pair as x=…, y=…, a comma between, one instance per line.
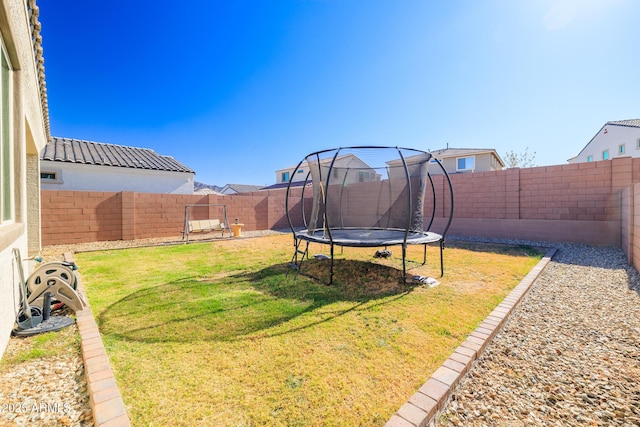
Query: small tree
x=520, y=160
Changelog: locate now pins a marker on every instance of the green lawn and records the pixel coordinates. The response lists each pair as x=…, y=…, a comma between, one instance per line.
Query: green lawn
x=217, y=334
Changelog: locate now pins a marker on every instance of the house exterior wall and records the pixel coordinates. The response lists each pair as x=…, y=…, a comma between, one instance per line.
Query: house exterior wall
x=301, y=173
x=484, y=162
x=610, y=137
x=78, y=176
x=28, y=135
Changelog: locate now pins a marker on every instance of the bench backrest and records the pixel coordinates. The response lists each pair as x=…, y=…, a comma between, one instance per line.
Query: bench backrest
x=205, y=225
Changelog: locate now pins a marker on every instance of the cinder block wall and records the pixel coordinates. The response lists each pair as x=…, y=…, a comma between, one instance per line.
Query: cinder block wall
x=82, y=216
x=586, y=202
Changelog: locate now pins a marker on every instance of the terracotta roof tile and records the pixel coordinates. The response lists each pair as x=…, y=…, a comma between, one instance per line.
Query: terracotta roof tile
x=97, y=153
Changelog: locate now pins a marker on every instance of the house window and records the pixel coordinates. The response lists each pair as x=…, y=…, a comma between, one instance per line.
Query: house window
x=285, y=176
x=621, y=149
x=590, y=159
x=466, y=163
x=51, y=176
x=605, y=155
x=6, y=160
x=638, y=144
x=300, y=170
x=360, y=176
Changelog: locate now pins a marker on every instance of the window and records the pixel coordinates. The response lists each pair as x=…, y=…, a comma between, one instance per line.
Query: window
x=300, y=171
x=6, y=161
x=466, y=163
x=638, y=144
x=621, y=149
x=285, y=176
x=360, y=176
x=590, y=159
x=51, y=176
x=605, y=155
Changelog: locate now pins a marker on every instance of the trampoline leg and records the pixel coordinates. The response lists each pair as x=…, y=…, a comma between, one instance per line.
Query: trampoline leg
x=404, y=266
x=424, y=257
x=441, y=259
x=331, y=267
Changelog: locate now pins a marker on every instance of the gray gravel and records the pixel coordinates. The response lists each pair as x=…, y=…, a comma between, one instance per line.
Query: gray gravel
x=568, y=355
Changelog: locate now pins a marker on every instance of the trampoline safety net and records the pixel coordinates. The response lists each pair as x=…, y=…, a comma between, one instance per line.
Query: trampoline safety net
x=367, y=196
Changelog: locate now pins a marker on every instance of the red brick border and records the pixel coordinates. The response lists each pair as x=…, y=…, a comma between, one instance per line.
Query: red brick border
x=423, y=407
x=106, y=402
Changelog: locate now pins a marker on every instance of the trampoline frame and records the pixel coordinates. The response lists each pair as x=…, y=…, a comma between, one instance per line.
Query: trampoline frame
x=332, y=236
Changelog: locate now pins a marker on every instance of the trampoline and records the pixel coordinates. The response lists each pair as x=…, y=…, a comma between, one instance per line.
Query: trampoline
x=368, y=196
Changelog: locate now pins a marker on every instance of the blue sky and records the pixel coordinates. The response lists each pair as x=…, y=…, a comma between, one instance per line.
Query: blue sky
x=236, y=89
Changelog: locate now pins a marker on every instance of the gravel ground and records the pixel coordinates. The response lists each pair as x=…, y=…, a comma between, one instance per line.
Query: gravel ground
x=569, y=354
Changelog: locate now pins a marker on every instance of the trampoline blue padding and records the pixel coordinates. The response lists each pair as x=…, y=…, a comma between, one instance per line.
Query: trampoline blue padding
x=367, y=238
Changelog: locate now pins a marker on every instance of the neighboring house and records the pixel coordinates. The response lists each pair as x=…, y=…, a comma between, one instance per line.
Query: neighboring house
x=286, y=184
x=467, y=160
x=201, y=188
x=615, y=139
x=24, y=131
x=239, y=188
x=72, y=164
x=358, y=171
x=205, y=191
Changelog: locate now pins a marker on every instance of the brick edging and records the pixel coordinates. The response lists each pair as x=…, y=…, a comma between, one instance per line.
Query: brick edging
x=424, y=406
x=106, y=402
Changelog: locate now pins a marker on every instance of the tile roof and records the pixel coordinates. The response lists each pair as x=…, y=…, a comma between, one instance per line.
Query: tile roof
x=35, y=26
x=242, y=188
x=97, y=153
x=285, y=185
x=632, y=123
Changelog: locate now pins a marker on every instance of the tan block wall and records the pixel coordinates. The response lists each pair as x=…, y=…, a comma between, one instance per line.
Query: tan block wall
x=583, y=202
x=634, y=237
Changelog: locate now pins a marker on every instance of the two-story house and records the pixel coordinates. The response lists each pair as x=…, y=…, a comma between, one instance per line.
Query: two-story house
x=348, y=167
x=467, y=160
x=615, y=139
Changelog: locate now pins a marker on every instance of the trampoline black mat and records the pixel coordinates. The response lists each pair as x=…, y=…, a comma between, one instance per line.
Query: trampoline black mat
x=362, y=237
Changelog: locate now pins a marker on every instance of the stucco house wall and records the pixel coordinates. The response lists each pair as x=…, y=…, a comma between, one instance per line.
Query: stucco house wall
x=77, y=176
x=301, y=173
x=483, y=160
x=29, y=132
x=79, y=165
x=615, y=139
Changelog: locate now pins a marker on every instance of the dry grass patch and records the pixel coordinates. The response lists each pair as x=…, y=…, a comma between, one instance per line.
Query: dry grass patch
x=218, y=334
